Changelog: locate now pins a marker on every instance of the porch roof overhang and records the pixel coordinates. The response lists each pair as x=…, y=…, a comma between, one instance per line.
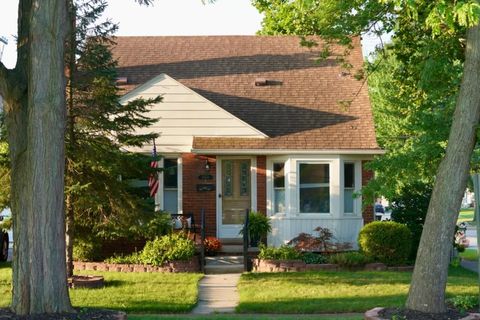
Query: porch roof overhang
x=287, y=151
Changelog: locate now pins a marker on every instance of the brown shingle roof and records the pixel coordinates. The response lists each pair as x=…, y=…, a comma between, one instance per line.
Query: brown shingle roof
x=300, y=110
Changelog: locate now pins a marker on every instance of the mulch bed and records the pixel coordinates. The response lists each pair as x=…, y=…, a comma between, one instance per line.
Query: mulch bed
x=83, y=314
x=405, y=314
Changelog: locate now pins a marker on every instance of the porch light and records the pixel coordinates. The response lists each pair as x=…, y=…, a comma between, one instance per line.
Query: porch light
x=207, y=165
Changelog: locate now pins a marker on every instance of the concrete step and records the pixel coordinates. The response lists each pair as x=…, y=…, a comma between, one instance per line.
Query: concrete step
x=231, y=248
x=224, y=269
x=224, y=260
x=232, y=241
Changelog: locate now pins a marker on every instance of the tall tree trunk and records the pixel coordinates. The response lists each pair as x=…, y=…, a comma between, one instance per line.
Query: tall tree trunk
x=427, y=291
x=35, y=107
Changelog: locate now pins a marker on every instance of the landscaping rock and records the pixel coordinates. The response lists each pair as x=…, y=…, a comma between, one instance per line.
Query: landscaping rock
x=88, y=282
x=387, y=313
x=192, y=265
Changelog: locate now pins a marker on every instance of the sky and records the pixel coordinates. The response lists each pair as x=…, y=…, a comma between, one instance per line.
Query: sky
x=166, y=17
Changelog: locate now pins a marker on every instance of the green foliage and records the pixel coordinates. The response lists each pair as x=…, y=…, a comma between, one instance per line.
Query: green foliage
x=352, y=259
x=283, y=252
x=6, y=224
x=175, y=246
x=464, y=303
x=87, y=249
x=134, y=258
x=259, y=225
x=410, y=208
x=313, y=258
x=99, y=129
x=388, y=242
x=155, y=224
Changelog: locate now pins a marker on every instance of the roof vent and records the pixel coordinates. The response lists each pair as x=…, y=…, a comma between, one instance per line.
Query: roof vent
x=122, y=81
x=259, y=82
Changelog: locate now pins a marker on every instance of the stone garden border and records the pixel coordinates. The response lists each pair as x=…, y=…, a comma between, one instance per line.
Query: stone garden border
x=374, y=314
x=191, y=265
x=260, y=265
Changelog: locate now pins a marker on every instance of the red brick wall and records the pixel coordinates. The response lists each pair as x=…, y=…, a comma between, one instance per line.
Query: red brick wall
x=193, y=201
x=262, y=184
x=367, y=213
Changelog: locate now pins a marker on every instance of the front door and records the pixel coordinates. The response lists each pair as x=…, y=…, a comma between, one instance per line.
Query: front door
x=235, y=196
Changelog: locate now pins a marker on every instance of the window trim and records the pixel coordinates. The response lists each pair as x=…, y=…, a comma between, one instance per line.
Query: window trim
x=159, y=197
x=285, y=184
x=354, y=188
x=329, y=185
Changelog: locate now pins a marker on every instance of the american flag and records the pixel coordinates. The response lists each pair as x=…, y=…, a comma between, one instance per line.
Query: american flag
x=153, y=178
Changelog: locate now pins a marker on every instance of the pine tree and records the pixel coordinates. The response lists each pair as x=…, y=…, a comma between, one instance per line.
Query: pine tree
x=98, y=127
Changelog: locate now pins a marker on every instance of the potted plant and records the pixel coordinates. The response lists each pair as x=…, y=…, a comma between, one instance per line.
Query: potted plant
x=258, y=227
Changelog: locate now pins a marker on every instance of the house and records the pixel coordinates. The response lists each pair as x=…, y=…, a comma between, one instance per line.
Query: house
x=255, y=122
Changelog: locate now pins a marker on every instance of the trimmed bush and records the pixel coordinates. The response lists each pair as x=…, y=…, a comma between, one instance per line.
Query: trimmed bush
x=172, y=247
x=282, y=253
x=388, y=242
x=313, y=258
x=352, y=259
x=87, y=250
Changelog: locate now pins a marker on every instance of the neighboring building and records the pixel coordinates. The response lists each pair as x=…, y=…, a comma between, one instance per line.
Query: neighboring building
x=255, y=122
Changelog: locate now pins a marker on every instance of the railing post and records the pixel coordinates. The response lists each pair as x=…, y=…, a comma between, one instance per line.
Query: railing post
x=245, y=240
x=202, y=238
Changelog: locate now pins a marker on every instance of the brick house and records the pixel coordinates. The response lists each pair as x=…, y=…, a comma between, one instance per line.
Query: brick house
x=255, y=122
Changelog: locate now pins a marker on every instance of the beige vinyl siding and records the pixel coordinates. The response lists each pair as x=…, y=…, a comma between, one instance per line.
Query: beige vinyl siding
x=184, y=114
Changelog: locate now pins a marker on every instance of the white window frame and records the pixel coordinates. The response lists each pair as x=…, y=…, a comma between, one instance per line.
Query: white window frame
x=329, y=185
x=357, y=201
x=159, y=197
x=285, y=186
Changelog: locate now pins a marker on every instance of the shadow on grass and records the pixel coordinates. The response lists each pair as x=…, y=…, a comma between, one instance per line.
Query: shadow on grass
x=148, y=306
x=115, y=283
x=321, y=305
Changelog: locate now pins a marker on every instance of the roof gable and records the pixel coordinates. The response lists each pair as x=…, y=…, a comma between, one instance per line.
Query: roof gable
x=183, y=114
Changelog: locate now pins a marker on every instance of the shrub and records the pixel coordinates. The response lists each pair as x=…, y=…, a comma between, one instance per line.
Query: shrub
x=410, y=208
x=352, y=259
x=88, y=249
x=175, y=246
x=160, y=224
x=464, y=303
x=212, y=245
x=313, y=258
x=282, y=253
x=388, y=242
x=320, y=243
x=134, y=258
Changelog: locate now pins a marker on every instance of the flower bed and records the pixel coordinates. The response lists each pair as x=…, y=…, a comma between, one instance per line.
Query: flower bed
x=261, y=265
x=191, y=265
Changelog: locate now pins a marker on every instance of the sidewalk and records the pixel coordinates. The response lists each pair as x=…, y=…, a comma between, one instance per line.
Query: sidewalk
x=217, y=293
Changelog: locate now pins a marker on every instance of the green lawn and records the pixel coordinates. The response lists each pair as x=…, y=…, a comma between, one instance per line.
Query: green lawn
x=323, y=292
x=130, y=292
x=469, y=254
x=465, y=215
x=247, y=317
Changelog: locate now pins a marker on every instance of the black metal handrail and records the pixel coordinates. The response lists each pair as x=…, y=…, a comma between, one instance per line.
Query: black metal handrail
x=245, y=240
x=202, y=244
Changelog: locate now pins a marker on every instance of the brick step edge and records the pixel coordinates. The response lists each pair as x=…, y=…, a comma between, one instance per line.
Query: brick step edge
x=192, y=265
x=260, y=265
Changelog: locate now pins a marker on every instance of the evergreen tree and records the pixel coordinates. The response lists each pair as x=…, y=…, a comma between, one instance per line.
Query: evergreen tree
x=98, y=200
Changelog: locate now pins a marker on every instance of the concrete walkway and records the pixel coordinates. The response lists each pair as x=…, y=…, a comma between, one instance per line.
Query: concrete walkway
x=470, y=265
x=217, y=293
